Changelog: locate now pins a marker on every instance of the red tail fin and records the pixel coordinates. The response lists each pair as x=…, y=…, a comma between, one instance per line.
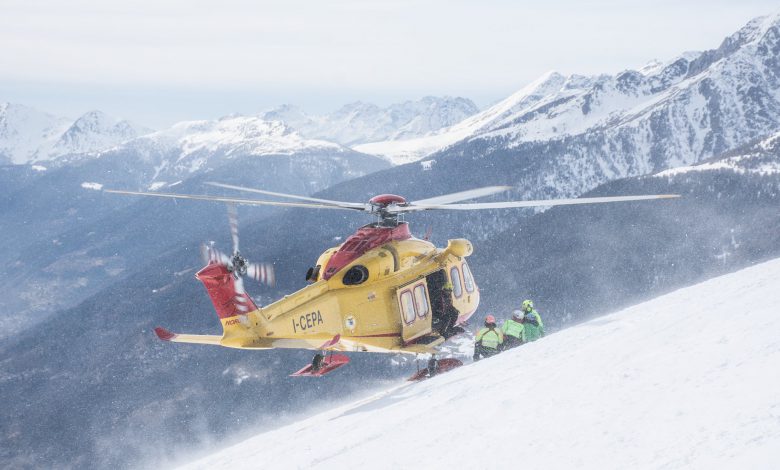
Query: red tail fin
x=221, y=286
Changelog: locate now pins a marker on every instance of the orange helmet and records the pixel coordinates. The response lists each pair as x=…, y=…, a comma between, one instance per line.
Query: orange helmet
x=490, y=319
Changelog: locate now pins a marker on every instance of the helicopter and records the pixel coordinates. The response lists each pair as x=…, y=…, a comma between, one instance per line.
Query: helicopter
x=381, y=290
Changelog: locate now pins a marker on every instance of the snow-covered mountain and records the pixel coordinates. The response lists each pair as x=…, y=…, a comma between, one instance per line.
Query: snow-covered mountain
x=360, y=122
x=92, y=132
x=28, y=135
x=24, y=130
x=667, y=114
x=408, y=150
x=31, y=136
x=676, y=382
x=196, y=146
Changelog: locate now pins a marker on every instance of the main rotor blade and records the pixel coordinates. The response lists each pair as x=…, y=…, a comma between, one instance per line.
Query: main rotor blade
x=254, y=202
x=205, y=254
x=233, y=220
x=350, y=205
x=537, y=203
x=462, y=196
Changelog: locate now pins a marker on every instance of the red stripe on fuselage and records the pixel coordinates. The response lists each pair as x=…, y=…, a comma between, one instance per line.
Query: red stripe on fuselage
x=383, y=335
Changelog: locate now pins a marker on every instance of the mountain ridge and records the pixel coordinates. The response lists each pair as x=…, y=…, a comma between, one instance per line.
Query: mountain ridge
x=360, y=122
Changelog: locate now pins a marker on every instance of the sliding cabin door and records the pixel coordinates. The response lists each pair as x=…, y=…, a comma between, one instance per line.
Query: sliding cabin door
x=415, y=308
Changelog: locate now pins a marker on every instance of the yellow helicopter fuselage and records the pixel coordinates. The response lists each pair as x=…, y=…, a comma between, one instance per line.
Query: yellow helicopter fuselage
x=384, y=299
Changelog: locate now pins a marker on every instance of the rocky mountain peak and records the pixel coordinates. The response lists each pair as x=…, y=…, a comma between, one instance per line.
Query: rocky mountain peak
x=25, y=130
x=29, y=135
x=95, y=131
x=761, y=36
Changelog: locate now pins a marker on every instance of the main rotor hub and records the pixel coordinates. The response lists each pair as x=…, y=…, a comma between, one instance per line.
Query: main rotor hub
x=238, y=264
x=384, y=200
x=380, y=204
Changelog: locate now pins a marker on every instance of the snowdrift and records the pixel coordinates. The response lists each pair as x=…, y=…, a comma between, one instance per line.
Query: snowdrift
x=687, y=380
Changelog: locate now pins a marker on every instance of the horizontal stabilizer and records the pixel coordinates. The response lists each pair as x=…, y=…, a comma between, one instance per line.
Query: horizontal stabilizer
x=331, y=342
x=166, y=335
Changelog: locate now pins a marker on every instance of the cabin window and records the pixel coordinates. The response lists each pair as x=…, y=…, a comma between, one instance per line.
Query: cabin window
x=355, y=275
x=313, y=274
x=421, y=300
x=407, y=306
x=468, y=279
x=457, y=287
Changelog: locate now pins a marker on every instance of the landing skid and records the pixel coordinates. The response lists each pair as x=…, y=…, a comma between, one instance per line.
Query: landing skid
x=322, y=365
x=441, y=366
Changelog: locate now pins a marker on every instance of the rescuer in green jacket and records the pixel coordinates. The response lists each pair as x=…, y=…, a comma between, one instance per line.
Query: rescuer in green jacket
x=489, y=339
x=514, y=330
x=532, y=321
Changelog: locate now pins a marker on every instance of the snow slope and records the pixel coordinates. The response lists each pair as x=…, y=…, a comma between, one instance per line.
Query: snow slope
x=687, y=380
x=758, y=159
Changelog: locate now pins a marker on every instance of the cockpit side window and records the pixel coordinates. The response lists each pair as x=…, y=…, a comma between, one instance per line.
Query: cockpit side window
x=355, y=275
x=313, y=274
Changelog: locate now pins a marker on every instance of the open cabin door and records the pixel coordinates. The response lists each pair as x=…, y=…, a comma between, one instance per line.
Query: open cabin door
x=415, y=307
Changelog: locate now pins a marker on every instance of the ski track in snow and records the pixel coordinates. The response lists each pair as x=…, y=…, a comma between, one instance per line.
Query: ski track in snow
x=687, y=380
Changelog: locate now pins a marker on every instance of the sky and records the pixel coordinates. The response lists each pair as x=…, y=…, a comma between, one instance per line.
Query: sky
x=157, y=62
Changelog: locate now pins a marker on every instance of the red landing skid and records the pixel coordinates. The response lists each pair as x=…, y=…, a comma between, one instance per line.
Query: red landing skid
x=329, y=363
x=445, y=365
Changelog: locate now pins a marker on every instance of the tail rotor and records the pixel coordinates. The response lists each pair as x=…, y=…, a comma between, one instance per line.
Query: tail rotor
x=262, y=273
x=210, y=254
x=235, y=263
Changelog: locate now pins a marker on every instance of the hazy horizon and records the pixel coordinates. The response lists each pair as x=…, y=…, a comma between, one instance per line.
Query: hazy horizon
x=158, y=64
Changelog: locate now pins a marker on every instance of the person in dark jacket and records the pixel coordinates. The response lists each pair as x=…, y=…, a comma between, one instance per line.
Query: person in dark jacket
x=445, y=314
